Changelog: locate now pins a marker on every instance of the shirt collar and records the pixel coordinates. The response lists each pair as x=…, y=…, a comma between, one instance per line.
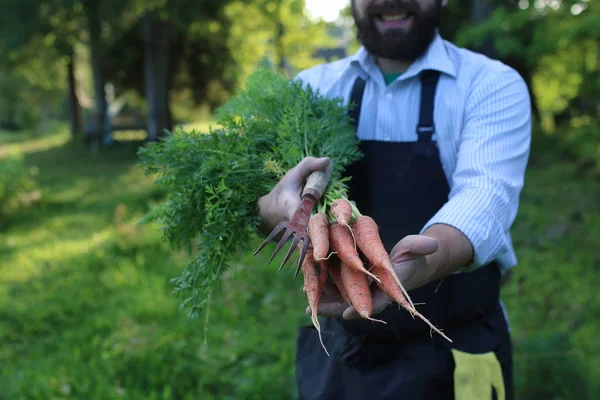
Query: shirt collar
x=435, y=58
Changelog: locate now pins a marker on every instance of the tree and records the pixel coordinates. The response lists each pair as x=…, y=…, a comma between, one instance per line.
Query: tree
x=172, y=46
x=275, y=30
x=528, y=37
x=64, y=23
x=33, y=66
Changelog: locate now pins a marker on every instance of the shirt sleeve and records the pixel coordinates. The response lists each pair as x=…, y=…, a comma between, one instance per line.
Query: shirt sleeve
x=492, y=157
x=308, y=76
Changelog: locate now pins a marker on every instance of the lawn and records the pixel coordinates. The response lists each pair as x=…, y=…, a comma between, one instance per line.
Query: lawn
x=86, y=310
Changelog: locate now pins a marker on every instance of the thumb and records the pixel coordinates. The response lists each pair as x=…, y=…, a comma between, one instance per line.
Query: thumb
x=418, y=245
x=307, y=166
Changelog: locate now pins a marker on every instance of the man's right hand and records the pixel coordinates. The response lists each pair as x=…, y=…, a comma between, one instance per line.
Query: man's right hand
x=281, y=203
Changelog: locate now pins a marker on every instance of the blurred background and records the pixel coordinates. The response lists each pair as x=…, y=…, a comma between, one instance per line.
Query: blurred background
x=86, y=310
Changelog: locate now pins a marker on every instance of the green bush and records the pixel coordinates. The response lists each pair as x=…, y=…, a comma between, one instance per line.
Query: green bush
x=549, y=367
x=582, y=140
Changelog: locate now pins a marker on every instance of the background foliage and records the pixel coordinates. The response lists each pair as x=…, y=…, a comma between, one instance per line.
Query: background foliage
x=86, y=309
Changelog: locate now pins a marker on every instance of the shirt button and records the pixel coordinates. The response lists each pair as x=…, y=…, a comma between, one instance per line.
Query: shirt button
x=386, y=138
x=389, y=96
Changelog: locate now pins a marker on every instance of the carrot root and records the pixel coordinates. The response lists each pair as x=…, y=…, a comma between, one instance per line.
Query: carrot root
x=358, y=291
x=388, y=286
x=318, y=232
x=374, y=320
x=341, y=210
x=418, y=314
x=370, y=244
x=313, y=284
x=326, y=258
x=353, y=237
x=341, y=242
x=336, y=276
x=315, y=321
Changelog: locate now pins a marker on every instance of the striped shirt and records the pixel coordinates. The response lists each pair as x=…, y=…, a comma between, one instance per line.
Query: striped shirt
x=483, y=131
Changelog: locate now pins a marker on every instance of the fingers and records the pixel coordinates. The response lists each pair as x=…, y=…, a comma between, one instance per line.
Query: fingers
x=415, y=245
x=350, y=313
x=330, y=306
x=305, y=167
x=292, y=183
x=380, y=302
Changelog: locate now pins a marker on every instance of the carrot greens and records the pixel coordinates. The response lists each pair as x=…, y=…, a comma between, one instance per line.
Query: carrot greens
x=213, y=180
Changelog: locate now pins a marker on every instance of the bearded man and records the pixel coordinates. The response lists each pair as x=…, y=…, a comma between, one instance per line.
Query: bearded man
x=446, y=136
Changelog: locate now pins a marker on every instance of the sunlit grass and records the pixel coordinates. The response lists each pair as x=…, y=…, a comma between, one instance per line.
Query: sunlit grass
x=141, y=135
x=35, y=142
x=130, y=136
x=48, y=250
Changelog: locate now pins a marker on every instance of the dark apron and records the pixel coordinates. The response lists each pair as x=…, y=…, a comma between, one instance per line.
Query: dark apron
x=402, y=185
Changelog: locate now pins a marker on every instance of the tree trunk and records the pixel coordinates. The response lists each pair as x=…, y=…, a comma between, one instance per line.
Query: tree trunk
x=74, y=107
x=279, y=46
x=156, y=74
x=480, y=12
x=100, y=106
x=279, y=36
x=169, y=115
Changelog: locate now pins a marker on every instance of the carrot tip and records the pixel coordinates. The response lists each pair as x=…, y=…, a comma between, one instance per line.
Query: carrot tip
x=376, y=320
x=432, y=326
x=373, y=276
x=315, y=322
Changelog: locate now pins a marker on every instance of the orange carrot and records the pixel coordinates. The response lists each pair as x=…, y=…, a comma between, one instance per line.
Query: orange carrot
x=370, y=244
x=341, y=210
x=342, y=243
x=318, y=232
x=388, y=285
x=336, y=275
x=313, y=288
x=322, y=273
x=358, y=291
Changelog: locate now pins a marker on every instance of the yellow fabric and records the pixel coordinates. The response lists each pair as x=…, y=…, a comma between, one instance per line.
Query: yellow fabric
x=475, y=375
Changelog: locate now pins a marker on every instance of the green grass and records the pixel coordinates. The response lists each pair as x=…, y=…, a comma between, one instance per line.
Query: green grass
x=86, y=310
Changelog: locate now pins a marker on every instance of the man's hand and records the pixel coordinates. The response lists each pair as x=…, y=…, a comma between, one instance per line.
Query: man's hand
x=281, y=203
x=333, y=305
x=409, y=258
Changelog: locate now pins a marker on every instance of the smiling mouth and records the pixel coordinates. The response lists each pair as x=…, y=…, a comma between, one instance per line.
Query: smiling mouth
x=394, y=17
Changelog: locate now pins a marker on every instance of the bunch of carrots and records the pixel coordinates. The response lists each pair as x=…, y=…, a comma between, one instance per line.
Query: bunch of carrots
x=337, y=250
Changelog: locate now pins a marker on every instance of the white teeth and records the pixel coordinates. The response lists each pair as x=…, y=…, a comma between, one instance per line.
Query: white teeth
x=395, y=17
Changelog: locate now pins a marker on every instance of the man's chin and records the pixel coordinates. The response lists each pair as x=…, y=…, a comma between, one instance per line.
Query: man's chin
x=396, y=50
x=398, y=44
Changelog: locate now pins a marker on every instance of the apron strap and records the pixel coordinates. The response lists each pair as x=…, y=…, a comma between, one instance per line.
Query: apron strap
x=356, y=97
x=426, y=126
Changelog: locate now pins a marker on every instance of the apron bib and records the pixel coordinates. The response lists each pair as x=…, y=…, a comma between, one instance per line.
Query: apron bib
x=402, y=185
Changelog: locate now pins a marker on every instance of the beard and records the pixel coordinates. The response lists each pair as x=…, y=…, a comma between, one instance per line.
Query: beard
x=398, y=44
